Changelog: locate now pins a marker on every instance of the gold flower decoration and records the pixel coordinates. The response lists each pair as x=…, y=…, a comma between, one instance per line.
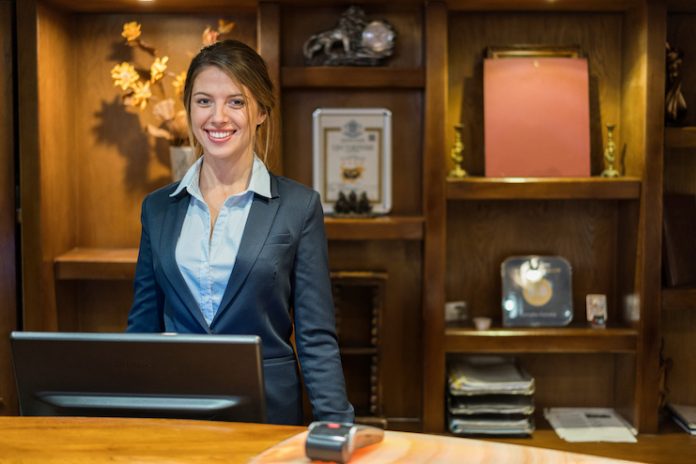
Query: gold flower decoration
x=157, y=68
x=178, y=84
x=140, y=95
x=124, y=75
x=225, y=27
x=209, y=36
x=139, y=88
x=131, y=31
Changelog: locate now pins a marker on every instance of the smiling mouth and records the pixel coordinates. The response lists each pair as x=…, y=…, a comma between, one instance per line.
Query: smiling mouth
x=217, y=135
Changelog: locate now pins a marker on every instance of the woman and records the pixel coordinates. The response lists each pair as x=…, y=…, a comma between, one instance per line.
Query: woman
x=233, y=249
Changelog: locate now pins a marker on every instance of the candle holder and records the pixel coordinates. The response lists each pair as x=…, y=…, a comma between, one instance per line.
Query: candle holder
x=456, y=154
x=610, y=154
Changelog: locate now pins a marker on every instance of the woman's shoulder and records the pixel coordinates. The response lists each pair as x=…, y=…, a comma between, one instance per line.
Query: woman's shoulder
x=293, y=188
x=162, y=195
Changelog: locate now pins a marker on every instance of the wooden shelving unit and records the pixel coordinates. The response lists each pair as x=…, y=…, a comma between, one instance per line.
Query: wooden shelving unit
x=443, y=240
x=82, y=188
x=474, y=223
x=678, y=315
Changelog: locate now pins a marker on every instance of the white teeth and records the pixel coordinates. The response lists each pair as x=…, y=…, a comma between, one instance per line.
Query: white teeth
x=220, y=134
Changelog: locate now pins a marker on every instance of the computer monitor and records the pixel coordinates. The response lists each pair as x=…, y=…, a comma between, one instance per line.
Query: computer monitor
x=213, y=377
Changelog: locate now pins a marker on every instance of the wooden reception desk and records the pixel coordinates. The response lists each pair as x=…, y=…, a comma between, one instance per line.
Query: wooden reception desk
x=49, y=440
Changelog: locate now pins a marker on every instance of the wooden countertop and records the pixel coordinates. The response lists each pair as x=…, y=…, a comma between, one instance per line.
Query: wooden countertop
x=78, y=440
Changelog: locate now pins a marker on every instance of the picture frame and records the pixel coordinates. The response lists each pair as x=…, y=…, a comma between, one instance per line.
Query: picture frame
x=596, y=306
x=352, y=159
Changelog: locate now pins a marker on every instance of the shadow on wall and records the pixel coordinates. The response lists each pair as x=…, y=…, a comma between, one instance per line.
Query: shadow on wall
x=119, y=128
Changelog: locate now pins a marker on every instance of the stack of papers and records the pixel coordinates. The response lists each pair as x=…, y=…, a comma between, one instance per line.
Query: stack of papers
x=492, y=426
x=491, y=404
x=490, y=396
x=590, y=424
x=684, y=416
x=489, y=376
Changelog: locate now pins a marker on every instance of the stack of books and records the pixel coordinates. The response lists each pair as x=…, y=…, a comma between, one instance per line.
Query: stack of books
x=684, y=416
x=490, y=395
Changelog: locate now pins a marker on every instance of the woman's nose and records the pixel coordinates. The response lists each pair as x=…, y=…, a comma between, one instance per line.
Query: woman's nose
x=220, y=114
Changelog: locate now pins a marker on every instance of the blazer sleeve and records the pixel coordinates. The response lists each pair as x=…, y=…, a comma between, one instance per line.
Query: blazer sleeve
x=315, y=326
x=146, y=314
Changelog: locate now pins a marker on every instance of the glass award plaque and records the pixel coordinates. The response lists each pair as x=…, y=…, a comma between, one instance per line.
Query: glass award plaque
x=537, y=291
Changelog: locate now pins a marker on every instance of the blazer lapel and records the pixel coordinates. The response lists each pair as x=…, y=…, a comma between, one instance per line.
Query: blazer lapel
x=171, y=229
x=261, y=215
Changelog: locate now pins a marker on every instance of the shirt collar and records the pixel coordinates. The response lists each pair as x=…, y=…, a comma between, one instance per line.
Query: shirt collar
x=260, y=182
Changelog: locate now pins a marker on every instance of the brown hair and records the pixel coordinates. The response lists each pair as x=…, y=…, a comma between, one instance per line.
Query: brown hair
x=245, y=67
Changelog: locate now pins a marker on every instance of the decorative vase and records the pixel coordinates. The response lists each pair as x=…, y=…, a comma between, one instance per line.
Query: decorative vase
x=181, y=159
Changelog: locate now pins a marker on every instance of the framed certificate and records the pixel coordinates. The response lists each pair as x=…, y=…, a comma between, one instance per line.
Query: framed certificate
x=352, y=159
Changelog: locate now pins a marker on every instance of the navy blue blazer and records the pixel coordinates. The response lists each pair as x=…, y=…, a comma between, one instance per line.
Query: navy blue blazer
x=280, y=276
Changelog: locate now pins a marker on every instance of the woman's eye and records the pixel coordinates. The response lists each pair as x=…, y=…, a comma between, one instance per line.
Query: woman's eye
x=236, y=103
x=203, y=101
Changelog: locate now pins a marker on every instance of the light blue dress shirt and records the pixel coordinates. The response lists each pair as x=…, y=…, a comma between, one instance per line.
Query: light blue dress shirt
x=206, y=260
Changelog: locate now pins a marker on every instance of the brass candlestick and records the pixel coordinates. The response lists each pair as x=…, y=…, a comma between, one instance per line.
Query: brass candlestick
x=610, y=154
x=456, y=154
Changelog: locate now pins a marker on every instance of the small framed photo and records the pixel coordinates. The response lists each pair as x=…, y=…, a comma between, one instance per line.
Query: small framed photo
x=352, y=158
x=597, y=309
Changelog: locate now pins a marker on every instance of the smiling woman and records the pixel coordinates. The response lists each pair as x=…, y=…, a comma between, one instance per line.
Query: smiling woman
x=232, y=248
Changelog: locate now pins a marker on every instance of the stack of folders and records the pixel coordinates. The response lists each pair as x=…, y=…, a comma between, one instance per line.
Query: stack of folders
x=490, y=396
x=684, y=416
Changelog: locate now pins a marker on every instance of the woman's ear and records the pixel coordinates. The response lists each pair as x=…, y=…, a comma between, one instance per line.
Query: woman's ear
x=260, y=118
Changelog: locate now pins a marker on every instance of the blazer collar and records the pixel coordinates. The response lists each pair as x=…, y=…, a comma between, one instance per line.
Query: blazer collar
x=171, y=229
x=261, y=216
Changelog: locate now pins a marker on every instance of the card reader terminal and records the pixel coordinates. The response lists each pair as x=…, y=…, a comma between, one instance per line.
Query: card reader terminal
x=336, y=441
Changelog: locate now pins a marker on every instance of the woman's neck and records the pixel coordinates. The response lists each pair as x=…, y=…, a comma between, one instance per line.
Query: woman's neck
x=225, y=176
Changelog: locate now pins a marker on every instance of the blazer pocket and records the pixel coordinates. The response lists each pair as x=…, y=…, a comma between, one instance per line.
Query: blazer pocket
x=279, y=239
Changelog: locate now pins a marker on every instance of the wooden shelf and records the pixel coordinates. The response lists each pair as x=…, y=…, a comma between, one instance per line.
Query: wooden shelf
x=680, y=137
x=97, y=264
x=678, y=299
x=541, y=340
x=351, y=77
x=377, y=228
x=119, y=263
x=543, y=188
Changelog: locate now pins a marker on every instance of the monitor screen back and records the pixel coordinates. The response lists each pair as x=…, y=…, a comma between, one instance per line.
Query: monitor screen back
x=212, y=377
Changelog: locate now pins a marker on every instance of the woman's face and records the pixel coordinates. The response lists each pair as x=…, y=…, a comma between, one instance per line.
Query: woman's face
x=223, y=119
